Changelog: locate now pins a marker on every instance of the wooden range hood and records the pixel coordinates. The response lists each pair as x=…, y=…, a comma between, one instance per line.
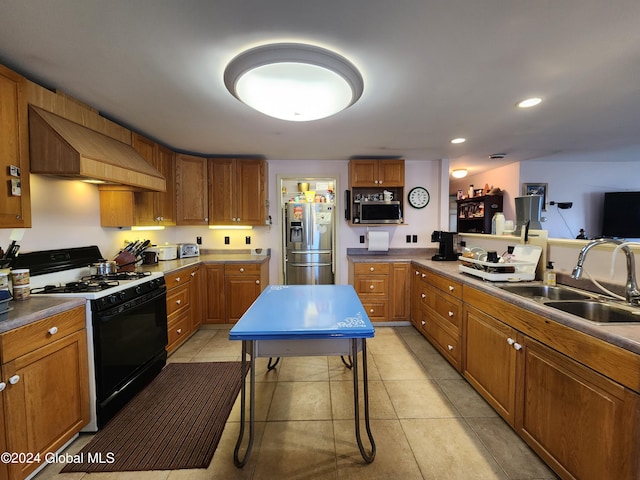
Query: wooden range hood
x=60, y=147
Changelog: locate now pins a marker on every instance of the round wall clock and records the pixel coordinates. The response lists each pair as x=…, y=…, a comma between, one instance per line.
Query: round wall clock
x=418, y=197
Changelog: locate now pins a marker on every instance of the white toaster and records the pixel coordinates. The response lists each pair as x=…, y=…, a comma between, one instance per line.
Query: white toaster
x=186, y=250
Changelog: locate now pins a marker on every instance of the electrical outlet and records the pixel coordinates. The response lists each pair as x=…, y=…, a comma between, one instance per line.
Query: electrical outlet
x=247, y=240
x=226, y=240
x=361, y=238
x=408, y=238
x=415, y=239
x=199, y=240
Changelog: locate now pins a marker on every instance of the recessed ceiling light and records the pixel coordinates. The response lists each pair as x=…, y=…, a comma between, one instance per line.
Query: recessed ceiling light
x=459, y=173
x=294, y=82
x=459, y=140
x=529, y=102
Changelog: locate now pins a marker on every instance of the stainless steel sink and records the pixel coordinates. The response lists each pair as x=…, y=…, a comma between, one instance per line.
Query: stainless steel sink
x=597, y=311
x=547, y=292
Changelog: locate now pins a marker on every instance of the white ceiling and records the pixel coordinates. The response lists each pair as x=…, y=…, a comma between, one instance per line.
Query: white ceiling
x=433, y=70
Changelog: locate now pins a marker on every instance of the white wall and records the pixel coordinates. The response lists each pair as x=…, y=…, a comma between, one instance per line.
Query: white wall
x=580, y=180
x=66, y=213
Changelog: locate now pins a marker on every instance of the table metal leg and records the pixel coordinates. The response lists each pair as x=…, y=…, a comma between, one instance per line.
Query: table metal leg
x=270, y=365
x=368, y=457
x=240, y=462
x=348, y=363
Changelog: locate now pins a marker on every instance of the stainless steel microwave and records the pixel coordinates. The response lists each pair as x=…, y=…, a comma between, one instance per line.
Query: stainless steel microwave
x=380, y=212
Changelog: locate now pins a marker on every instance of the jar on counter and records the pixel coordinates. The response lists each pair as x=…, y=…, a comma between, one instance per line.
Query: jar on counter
x=470, y=192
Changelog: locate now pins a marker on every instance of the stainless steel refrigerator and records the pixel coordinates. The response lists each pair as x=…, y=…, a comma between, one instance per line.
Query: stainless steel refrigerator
x=308, y=232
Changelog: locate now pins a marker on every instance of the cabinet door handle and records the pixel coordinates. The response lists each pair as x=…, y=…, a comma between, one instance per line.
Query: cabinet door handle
x=423, y=295
x=177, y=279
x=53, y=330
x=417, y=272
x=2, y=386
x=371, y=310
x=510, y=341
x=371, y=269
x=178, y=302
x=450, y=347
x=179, y=331
x=424, y=275
x=517, y=346
x=241, y=270
x=257, y=282
x=451, y=288
x=450, y=313
x=371, y=287
x=193, y=274
x=15, y=379
x=423, y=323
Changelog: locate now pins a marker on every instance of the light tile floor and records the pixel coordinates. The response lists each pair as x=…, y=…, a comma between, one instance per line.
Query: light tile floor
x=428, y=423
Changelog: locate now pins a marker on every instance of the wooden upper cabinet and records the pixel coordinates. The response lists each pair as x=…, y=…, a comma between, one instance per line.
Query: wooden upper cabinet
x=15, y=208
x=191, y=190
x=156, y=208
x=237, y=191
x=376, y=173
x=122, y=205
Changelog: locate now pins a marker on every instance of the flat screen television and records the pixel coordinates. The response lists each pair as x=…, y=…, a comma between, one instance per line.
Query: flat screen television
x=621, y=215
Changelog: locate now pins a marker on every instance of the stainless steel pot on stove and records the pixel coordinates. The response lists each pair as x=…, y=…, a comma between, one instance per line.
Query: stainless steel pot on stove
x=104, y=267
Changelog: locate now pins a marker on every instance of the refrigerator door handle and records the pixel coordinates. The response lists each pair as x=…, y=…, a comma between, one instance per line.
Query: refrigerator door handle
x=308, y=251
x=310, y=264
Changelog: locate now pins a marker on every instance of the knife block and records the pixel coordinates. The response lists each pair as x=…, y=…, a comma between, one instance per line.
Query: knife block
x=126, y=262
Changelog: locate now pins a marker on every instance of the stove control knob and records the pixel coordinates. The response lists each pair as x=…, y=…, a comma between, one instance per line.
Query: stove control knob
x=112, y=299
x=139, y=289
x=123, y=295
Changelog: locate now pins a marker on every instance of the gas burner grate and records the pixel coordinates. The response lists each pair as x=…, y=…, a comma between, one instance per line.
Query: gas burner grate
x=95, y=285
x=115, y=276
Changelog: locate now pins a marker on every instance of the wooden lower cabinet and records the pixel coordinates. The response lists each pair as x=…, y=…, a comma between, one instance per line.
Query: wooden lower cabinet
x=183, y=294
x=584, y=425
x=383, y=289
x=436, y=311
x=231, y=288
x=490, y=364
x=46, y=397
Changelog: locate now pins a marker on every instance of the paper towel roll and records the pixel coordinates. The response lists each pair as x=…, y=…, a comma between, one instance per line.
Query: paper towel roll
x=378, y=241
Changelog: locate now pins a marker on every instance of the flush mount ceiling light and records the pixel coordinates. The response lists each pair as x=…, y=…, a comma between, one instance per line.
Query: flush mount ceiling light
x=294, y=82
x=459, y=173
x=529, y=102
x=459, y=140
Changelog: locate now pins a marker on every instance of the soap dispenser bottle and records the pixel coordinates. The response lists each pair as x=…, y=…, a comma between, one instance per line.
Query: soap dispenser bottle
x=549, y=277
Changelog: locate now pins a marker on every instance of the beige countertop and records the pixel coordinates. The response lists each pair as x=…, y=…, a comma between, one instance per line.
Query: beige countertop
x=626, y=336
x=36, y=308
x=39, y=307
x=167, y=266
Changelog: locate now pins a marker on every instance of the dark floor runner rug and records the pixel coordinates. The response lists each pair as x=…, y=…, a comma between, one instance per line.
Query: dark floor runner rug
x=176, y=422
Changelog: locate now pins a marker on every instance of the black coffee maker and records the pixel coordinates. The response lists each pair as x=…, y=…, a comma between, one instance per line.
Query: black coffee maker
x=446, y=250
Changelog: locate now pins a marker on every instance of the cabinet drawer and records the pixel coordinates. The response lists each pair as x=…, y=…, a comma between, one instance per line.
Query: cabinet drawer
x=371, y=286
x=447, y=285
x=242, y=269
x=371, y=268
x=447, y=344
x=178, y=329
x=376, y=311
x=180, y=277
x=177, y=299
x=449, y=309
x=28, y=338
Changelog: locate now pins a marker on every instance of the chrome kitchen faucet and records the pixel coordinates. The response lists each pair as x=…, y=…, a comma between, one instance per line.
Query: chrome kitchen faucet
x=631, y=292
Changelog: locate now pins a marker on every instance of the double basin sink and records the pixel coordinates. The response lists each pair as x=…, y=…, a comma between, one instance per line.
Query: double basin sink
x=589, y=306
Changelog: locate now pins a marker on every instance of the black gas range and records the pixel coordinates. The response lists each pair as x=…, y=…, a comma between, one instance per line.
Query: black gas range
x=126, y=322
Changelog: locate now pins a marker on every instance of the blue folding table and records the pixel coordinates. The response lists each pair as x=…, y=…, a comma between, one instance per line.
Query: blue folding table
x=304, y=320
